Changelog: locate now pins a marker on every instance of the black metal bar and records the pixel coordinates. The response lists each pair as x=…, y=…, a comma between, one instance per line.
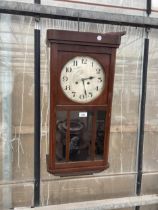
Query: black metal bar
x=148, y=7
x=53, y=12
x=142, y=119
x=37, y=1
x=37, y=120
x=89, y=20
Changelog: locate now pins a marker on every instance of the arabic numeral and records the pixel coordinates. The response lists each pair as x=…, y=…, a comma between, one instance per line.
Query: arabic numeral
x=97, y=88
x=82, y=96
x=84, y=60
x=98, y=71
x=67, y=87
x=68, y=69
x=75, y=63
x=100, y=79
x=73, y=94
x=90, y=94
x=65, y=78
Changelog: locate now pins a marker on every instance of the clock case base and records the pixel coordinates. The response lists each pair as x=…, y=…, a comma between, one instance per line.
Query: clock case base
x=82, y=170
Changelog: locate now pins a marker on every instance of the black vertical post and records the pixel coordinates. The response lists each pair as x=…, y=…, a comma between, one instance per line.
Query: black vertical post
x=148, y=7
x=142, y=119
x=37, y=120
x=37, y=1
x=37, y=113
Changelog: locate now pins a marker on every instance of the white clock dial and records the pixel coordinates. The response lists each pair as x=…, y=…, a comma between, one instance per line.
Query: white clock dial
x=82, y=79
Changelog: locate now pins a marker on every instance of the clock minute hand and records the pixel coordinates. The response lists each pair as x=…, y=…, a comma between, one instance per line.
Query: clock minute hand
x=88, y=78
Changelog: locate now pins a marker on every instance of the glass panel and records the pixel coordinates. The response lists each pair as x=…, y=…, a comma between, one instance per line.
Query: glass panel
x=16, y=97
x=150, y=157
x=79, y=189
x=154, y=8
x=80, y=135
x=16, y=106
x=100, y=123
x=133, y=7
x=126, y=101
x=155, y=5
x=83, y=134
x=61, y=136
x=24, y=1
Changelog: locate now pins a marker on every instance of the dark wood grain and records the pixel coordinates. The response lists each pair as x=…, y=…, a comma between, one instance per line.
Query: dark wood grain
x=94, y=132
x=68, y=136
x=53, y=95
x=112, y=38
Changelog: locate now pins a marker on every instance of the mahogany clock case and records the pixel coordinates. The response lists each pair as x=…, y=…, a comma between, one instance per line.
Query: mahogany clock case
x=66, y=45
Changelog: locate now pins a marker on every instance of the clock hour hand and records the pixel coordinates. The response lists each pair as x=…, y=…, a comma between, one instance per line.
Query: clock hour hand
x=84, y=87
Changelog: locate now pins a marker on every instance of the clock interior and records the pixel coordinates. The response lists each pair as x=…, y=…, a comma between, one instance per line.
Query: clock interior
x=80, y=135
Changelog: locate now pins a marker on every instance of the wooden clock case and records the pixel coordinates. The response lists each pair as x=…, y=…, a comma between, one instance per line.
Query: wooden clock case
x=65, y=45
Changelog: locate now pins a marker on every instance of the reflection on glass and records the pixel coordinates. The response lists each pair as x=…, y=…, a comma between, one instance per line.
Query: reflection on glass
x=100, y=123
x=80, y=135
x=60, y=136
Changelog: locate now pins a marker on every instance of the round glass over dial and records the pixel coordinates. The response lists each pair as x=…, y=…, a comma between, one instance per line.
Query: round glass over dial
x=82, y=79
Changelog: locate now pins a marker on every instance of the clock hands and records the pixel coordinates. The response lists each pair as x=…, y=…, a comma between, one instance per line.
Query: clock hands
x=84, y=86
x=91, y=77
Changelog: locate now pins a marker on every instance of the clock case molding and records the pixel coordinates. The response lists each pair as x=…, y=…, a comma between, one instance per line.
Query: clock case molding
x=65, y=45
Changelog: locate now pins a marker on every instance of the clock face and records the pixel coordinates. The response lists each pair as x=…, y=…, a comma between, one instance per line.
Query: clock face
x=82, y=79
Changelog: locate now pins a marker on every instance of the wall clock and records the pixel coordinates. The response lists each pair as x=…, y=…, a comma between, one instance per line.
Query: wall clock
x=81, y=87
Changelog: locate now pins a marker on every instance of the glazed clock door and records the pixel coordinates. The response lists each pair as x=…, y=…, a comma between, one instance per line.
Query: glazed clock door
x=80, y=136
